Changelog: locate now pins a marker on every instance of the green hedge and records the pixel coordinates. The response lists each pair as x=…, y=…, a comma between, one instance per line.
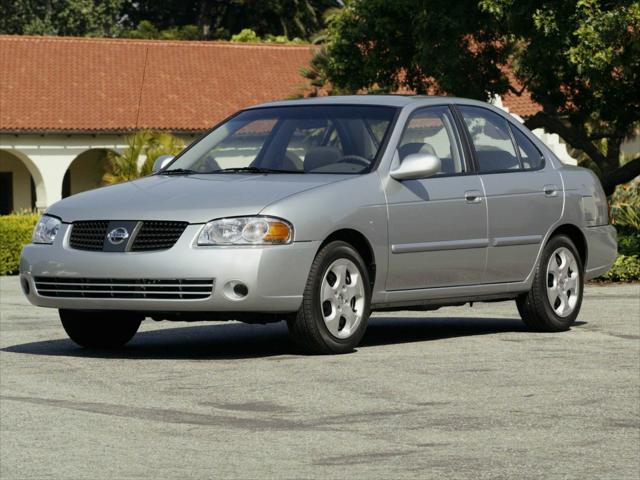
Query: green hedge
x=15, y=232
x=627, y=266
x=625, y=269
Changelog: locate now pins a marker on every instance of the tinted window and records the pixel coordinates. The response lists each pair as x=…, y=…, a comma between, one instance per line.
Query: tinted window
x=491, y=139
x=529, y=154
x=303, y=139
x=430, y=130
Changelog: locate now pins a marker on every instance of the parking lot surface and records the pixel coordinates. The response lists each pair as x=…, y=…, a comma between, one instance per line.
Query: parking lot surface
x=455, y=393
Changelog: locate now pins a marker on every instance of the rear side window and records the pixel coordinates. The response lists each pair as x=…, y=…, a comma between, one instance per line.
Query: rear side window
x=529, y=154
x=491, y=139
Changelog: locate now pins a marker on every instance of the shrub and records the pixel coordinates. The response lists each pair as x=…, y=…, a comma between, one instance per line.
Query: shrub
x=625, y=269
x=15, y=233
x=625, y=215
x=628, y=241
x=625, y=205
x=246, y=35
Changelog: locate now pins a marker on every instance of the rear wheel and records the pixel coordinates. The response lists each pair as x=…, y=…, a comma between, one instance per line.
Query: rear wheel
x=99, y=329
x=554, y=301
x=336, y=303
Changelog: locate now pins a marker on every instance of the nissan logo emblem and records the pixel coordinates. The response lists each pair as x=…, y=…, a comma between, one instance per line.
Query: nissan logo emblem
x=117, y=235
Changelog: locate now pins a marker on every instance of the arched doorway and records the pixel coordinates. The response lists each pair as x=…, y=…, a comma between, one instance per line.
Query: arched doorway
x=85, y=172
x=17, y=185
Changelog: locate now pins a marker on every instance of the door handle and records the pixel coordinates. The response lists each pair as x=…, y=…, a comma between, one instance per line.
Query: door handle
x=550, y=190
x=473, y=196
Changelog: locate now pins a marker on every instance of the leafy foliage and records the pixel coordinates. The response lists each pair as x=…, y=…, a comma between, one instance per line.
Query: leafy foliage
x=625, y=205
x=147, y=30
x=628, y=241
x=15, y=233
x=579, y=59
x=169, y=19
x=625, y=214
x=247, y=35
x=220, y=19
x=625, y=269
x=127, y=165
x=94, y=18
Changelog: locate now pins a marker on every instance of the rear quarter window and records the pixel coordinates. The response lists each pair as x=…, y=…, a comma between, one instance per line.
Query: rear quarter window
x=531, y=157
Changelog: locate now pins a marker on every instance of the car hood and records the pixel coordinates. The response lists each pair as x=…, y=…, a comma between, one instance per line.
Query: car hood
x=193, y=198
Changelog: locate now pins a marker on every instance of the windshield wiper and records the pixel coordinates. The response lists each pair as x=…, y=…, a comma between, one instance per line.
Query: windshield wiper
x=253, y=170
x=177, y=171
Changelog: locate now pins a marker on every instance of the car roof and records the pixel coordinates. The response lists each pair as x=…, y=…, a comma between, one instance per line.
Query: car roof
x=379, y=100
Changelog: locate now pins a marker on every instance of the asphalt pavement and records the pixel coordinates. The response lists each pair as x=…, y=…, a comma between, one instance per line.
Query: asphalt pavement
x=455, y=393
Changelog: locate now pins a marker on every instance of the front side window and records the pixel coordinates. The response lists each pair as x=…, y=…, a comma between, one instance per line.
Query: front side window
x=430, y=130
x=296, y=139
x=491, y=138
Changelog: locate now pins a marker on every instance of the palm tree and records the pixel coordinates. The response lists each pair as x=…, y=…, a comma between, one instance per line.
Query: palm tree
x=128, y=165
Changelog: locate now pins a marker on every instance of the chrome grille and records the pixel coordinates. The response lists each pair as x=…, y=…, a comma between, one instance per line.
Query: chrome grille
x=169, y=289
x=88, y=235
x=157, y=235
x=152, y=235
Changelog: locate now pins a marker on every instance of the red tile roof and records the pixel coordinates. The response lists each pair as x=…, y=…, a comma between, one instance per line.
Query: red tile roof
x=87, y=84
x=65, y=84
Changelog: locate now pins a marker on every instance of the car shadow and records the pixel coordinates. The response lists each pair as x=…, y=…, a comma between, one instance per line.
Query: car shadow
x=237, y=340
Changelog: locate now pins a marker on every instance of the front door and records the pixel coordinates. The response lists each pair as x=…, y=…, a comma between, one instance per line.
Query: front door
x=524, y=196
x=437, y=225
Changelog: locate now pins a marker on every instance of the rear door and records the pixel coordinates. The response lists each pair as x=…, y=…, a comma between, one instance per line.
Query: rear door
x=524, y=195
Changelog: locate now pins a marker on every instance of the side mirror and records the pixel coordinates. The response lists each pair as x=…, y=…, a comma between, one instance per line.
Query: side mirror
x=417, y=165
x=161, y=162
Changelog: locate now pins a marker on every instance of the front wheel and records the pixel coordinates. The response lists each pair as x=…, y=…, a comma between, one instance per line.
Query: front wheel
x=99, y=329
x=336, y=302
x=554, y=301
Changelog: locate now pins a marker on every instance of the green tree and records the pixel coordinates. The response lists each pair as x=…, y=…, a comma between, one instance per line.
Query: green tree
x=125, y=166
x=98, y=18
x=222, y=18
x=579, y=59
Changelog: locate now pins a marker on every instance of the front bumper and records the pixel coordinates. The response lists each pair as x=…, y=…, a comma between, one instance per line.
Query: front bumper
x=275, y=275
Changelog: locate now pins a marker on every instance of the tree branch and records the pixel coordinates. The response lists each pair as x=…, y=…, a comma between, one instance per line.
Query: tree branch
x=574, y=136
x=601, y=135
x=623, y=174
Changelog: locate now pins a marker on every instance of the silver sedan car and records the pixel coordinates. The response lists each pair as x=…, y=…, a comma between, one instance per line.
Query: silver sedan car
x=318, y=212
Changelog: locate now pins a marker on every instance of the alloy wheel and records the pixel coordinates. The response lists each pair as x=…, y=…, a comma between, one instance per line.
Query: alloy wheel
x=563, y=282
x=342, y=298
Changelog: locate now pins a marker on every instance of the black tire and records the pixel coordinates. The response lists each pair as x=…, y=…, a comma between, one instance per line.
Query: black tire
x=535, y=307
x=307, y=328
x=99, y=329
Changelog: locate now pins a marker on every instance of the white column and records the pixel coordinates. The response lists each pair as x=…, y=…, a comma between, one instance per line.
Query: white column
x=53, y=166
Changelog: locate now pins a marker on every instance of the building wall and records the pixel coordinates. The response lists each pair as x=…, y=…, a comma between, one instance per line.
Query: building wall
x=21, y=180
x=86, y=171
x=49, y=157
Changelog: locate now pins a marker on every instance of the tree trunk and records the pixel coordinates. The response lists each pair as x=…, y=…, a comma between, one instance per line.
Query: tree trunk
x=620, y=175
x=204, y=17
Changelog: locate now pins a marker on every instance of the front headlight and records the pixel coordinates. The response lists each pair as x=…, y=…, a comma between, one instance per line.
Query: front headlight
x=246, y=231
x=46, y=230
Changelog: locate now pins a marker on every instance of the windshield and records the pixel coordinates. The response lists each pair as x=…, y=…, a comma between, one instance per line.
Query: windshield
x=299, y=139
